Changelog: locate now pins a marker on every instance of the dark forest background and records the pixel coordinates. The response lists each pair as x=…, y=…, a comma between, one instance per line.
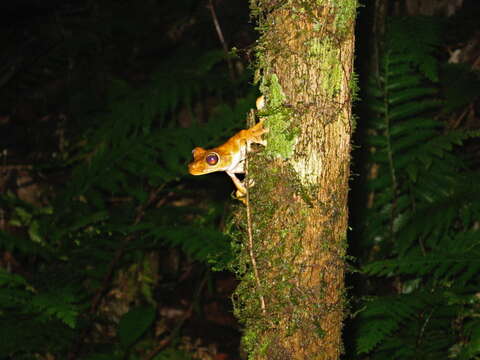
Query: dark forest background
x=110, y=250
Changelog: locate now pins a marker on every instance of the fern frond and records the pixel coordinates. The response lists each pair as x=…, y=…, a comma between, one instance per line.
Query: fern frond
x=424, y=213
x=442, y=266
x=410, y=93
x=382, y=317
x=420, y=53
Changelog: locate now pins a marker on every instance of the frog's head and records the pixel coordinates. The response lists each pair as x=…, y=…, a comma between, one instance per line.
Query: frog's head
x=206, y=161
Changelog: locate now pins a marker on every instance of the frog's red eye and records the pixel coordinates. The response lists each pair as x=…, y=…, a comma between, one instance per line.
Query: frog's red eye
x=212, y=159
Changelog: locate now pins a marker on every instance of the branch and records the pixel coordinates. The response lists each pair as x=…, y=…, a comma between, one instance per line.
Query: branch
x=140, y=211
x=222, y=39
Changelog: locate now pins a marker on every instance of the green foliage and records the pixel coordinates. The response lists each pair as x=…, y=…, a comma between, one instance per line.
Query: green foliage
x=31, y=318
x=127, y=156
x=60, y=303
x=421, y=226
x=121, y=185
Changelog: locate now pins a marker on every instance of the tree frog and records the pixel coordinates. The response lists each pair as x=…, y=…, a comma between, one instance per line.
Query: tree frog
x=230, y=156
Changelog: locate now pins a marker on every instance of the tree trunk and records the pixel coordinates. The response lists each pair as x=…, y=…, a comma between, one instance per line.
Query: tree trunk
x=291, y=299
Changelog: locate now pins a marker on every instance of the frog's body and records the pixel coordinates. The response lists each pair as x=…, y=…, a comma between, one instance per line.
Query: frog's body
x=230, y=156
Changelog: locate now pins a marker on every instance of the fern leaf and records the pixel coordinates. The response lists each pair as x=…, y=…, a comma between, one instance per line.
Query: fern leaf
x=408, y=94
x=383, y=316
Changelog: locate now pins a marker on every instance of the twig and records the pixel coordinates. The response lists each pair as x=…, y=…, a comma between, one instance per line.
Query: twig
x=222, y=39
x=180, y=323
x=250, y=237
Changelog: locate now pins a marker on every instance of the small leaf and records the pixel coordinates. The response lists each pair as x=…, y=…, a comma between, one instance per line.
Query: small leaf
x=35, y=232
x=134, y=324
x=23, y=215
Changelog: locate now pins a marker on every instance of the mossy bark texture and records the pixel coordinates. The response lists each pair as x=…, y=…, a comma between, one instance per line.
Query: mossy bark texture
x=299, y=201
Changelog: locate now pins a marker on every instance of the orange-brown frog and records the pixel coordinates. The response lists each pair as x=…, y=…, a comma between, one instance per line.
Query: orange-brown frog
x=230, y=156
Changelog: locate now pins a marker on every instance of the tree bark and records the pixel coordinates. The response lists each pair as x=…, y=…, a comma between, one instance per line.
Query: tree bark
x=298, y=205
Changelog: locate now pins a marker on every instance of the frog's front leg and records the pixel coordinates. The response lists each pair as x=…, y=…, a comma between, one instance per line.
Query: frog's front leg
x=241, y=190
x=241, y=193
